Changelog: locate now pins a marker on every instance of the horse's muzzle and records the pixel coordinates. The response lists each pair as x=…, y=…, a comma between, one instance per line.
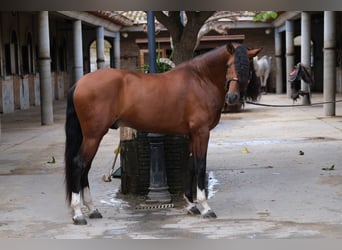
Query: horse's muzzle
x=232, y=98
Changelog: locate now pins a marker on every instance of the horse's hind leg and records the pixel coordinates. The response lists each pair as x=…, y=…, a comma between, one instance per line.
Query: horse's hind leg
x=86, y=197
x=81, y=189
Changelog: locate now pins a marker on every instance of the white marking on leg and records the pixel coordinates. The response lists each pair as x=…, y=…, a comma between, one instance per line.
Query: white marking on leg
x=202, y=200
x=190, y=204
x=87, y=200
x=76, y=205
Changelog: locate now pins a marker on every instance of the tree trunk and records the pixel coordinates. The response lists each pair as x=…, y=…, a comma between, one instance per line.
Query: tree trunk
x=184, y=37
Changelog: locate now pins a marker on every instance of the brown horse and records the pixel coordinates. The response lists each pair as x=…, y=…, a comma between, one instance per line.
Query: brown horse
x=186, y=100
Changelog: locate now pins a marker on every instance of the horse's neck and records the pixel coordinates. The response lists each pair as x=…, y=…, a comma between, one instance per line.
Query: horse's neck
x=214, y=63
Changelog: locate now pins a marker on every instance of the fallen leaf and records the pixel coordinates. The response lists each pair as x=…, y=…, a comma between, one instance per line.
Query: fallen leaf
x=53, y=160
x=117, y=150
x=245, y=150
x=329, y=169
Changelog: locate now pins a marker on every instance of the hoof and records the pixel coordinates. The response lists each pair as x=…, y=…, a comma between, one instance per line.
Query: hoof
x=79, y=220
x=209, y=215
x=95, y=215
x=194, y=211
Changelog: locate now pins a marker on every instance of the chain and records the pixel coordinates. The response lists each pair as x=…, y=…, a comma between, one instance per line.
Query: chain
x=290, y=105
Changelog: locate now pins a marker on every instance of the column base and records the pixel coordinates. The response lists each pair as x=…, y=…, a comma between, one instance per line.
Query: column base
x=158, y=195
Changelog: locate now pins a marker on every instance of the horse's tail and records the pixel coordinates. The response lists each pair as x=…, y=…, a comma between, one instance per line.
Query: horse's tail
x=73, y=142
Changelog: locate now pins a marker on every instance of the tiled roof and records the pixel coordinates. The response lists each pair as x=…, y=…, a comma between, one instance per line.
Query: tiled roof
x=113, y=16
x=137, y=18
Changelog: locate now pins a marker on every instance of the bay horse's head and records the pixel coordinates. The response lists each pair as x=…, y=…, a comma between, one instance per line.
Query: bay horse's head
x=239, y=71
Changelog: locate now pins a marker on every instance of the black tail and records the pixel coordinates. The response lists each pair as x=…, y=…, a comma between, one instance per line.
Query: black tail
x=73, y=142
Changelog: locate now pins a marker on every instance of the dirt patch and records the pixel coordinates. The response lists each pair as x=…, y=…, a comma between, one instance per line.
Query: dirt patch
x=332, y=180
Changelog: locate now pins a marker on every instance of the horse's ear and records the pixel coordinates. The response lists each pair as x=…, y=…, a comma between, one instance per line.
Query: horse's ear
x=253, y=52
x=230, y=48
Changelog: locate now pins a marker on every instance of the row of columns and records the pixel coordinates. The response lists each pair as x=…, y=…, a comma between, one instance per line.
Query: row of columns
x=45, y=60
x=329, y=50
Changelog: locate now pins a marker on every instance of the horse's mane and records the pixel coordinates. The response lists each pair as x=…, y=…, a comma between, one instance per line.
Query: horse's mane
x=209, y=58
x=254, y=87
x=241, y=65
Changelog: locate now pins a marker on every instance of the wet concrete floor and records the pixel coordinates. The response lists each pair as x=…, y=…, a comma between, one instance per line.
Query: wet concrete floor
x=266, y=180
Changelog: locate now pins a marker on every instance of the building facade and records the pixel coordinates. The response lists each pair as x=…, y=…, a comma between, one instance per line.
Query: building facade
x=80, y=42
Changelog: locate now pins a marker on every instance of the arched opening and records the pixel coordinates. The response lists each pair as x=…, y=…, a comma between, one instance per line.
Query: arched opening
x=297, y=42
x=11, y=55
x=27, y=55
x=53, y=54
x=93, y=56
x=62, y=56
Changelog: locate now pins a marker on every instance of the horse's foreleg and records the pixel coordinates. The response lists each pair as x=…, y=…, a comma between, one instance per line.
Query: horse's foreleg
x=200, y=160
x=188, y=195
x=206, y=211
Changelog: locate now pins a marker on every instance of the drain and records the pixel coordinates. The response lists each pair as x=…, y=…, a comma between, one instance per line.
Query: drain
x=155, y=206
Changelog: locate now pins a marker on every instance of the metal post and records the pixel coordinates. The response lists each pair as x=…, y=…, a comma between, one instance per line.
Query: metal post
x=46, y=106
x=151, y=42
x=290, y=54
x=158, y=189
x=329, y=71
x=78, y=50
x=305, y=52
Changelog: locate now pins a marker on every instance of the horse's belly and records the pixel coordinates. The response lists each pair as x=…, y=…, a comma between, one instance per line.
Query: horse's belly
x=156, y=126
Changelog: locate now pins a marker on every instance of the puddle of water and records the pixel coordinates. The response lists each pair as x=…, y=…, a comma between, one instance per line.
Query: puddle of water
x=113, y=201
x=212, y=182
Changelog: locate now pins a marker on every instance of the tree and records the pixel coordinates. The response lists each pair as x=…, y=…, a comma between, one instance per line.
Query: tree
x=183, y=35
x=186, y=34
x=265, y=15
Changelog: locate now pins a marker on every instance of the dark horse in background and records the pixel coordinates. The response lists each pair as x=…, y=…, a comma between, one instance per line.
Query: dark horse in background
x=186, y=100
x=297, y=74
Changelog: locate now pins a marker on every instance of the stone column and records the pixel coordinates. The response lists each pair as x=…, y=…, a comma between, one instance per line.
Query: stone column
x=100, y=48
x=290, y=53
x=329, y=58
x=117, y=50
x=46, y=102
x=279, y=64
x=305, y=51
x=78, y=50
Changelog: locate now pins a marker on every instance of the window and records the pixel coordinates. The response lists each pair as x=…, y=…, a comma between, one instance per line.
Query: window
x=11, y=55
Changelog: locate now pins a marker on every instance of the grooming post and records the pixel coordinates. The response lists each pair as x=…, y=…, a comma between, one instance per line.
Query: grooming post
x=158, y=189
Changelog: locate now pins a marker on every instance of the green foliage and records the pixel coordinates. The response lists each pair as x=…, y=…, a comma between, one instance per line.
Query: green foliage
x=265, y=16
x=161, y=66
